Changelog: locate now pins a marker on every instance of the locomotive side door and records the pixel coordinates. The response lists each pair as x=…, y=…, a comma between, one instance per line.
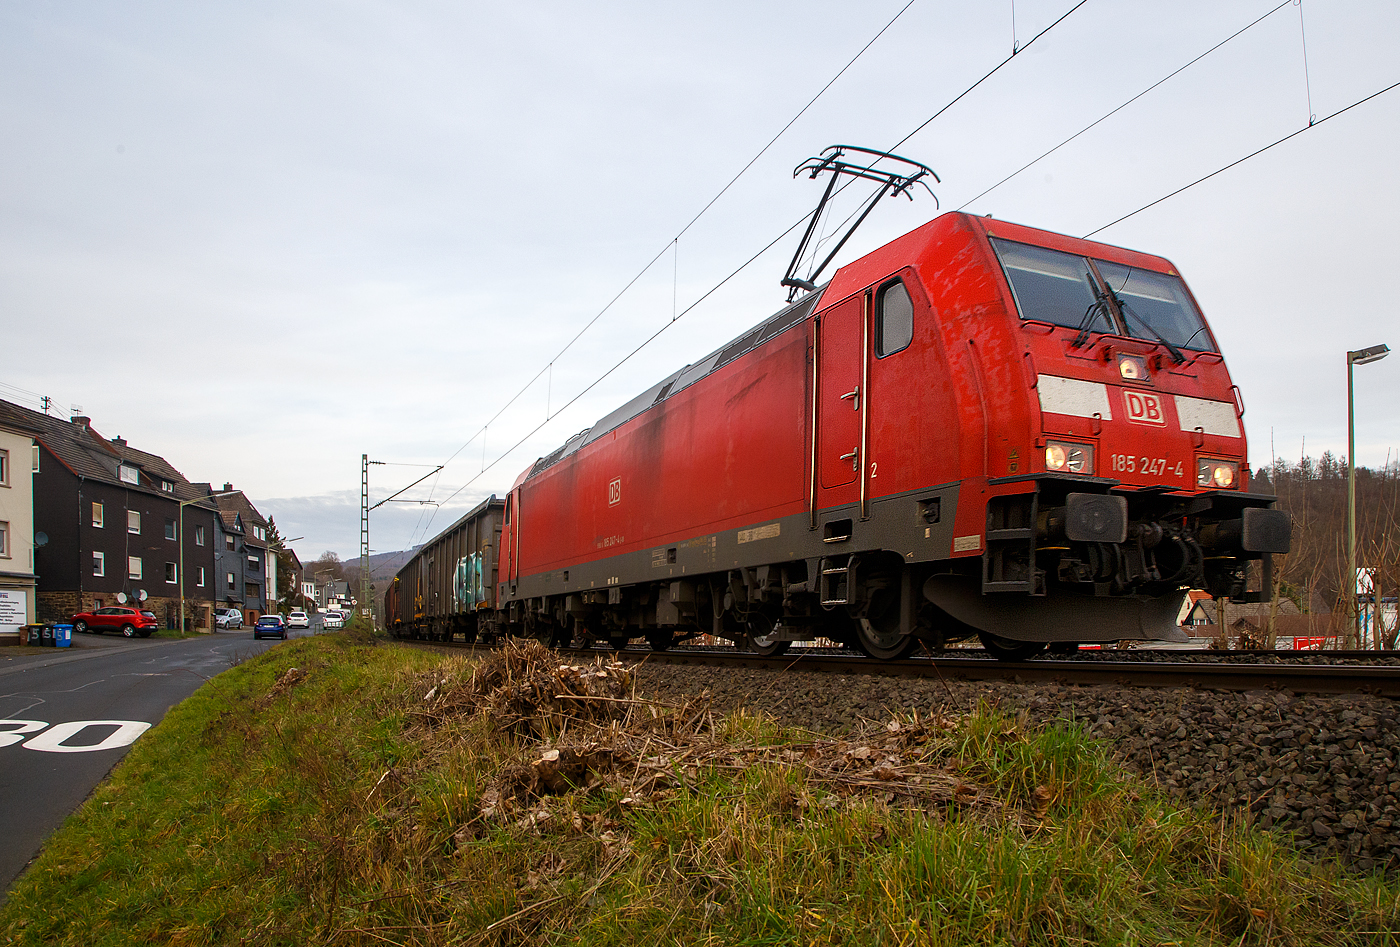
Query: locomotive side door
x=841, y=402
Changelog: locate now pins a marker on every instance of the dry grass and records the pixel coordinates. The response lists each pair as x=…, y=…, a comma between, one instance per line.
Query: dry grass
x=333, y=793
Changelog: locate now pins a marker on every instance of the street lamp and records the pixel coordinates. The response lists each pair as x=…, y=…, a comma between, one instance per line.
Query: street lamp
x=180, y=551
x=1360, y=357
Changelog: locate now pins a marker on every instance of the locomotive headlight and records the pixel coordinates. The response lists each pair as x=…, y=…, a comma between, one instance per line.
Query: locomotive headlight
x=1132, y=367
x=1071, y=458
x=1220, y=474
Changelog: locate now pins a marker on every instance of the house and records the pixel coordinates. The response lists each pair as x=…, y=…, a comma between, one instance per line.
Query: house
x=241, y=559
x=18, y=454
x=336, y=594
x=112, y=516
x=1205, y=612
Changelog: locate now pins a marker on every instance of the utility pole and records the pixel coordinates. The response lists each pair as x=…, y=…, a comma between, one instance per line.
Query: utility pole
x=365, y=602
x=366, y=593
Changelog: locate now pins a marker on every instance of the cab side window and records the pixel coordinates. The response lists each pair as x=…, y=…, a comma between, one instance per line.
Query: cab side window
x=894, y=323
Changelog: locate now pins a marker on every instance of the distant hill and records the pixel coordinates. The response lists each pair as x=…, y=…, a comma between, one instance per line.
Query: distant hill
x=383, y=566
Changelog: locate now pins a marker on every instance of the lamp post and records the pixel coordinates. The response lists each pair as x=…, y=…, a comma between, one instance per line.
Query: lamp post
x=1360, y=357
x=180, y=551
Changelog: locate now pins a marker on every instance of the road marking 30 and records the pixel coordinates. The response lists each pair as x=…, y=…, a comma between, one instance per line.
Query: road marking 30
x=55, y=739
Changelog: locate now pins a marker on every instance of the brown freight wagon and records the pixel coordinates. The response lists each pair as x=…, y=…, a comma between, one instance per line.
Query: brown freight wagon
x=449, y=583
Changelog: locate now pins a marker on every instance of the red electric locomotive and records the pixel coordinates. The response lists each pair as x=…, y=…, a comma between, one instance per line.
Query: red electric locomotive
x=977, y=429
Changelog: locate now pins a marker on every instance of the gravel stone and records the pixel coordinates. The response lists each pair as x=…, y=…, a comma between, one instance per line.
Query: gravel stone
x=1320, y=768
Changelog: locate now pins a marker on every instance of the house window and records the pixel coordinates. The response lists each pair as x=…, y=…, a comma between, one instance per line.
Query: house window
x=254, y=591
x=228, y=540
x=97, y=515
x=4, y=468
x=99, y=564
x=133, y=521
x=4, y=540
x=199, y=535
x=36, y=458
x=254, y=563
x=260, y=534
x=167, y=487
x=133, y=567
x=170, y=576
x=169, y=529
x=129, y=474
x=201, y=577
x=231, y=584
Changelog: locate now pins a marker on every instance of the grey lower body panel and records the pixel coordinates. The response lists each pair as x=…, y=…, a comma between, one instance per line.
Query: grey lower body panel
x=1062, y=617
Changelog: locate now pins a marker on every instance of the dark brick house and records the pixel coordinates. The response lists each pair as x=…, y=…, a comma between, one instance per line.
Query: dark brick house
x=112, y=515
x=241, y=553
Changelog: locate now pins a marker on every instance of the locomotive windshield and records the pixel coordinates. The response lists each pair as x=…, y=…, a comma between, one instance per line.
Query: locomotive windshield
x=1061, y=288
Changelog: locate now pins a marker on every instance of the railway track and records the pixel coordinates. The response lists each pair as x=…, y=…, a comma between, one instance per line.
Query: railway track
x=1298, y=672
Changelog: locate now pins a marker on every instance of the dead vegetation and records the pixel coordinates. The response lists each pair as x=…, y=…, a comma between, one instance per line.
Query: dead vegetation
x=582, y=730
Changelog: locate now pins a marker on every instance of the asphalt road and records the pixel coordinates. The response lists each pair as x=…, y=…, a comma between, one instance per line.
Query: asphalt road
x=68, y=715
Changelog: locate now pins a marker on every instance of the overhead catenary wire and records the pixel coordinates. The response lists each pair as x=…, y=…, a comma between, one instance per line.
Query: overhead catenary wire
x=1107, y=115
x=486, y=467
x=673, y=241
x=1253, y=154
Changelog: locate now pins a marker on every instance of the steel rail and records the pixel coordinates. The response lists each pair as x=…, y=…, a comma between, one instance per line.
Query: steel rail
x=1350, y=678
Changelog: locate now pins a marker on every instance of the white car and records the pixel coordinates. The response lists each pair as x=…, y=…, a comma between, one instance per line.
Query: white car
x=332, y=620
x=298, y=620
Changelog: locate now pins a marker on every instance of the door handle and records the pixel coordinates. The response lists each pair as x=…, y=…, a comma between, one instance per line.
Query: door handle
x=855, y=395
x=853, y=456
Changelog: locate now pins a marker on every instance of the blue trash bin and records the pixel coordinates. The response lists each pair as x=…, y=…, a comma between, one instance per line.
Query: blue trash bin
x=62, y=635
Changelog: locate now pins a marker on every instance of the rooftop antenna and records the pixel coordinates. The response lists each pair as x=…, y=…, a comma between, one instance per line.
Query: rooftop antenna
x=74, y=410
x=834, y=159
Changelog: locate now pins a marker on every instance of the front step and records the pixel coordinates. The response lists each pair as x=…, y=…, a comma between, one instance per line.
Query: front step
x=838, y=579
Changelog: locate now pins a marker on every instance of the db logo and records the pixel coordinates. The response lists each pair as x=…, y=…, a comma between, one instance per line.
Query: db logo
x=615, y=492
x=1144, y=408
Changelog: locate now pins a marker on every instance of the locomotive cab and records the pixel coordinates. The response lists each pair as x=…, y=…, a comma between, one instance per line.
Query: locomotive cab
x=1132, y=483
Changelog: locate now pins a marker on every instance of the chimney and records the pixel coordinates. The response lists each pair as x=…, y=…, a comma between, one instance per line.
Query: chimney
x=119, y=441
x=228, y=488
x=81, y=420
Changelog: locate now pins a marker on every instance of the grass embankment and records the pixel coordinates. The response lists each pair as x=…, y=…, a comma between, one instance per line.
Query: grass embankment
x=333, y=791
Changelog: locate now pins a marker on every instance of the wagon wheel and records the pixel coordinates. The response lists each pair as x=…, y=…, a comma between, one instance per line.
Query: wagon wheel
x=618, y=640
x=661, y=638
x=1005, y=649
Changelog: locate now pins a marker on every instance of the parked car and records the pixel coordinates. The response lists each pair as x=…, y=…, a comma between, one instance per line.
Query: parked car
x=130, y=622
x=298, y=620
x=228, y=618
x=271, y=626
x=332, y=619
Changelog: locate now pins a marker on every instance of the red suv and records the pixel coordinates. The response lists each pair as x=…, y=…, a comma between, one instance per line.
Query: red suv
x=130, y=621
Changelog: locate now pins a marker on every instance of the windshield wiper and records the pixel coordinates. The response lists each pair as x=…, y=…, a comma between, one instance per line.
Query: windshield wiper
x=1128, y=311
x=1091, y=316
x=1099, y=307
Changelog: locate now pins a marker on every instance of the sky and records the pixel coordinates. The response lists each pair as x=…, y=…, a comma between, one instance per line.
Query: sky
x=264, y=239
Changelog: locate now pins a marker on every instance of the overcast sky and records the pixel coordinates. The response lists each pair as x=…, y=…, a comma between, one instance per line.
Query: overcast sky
x=262, y=239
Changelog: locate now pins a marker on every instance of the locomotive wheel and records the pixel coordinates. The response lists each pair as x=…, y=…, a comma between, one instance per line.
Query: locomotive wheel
x=765, y=646
x=661, y=639
x=877, y=630
x=1005, y=649
x=759, y=637
x=617, y=642
x=887, y=645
